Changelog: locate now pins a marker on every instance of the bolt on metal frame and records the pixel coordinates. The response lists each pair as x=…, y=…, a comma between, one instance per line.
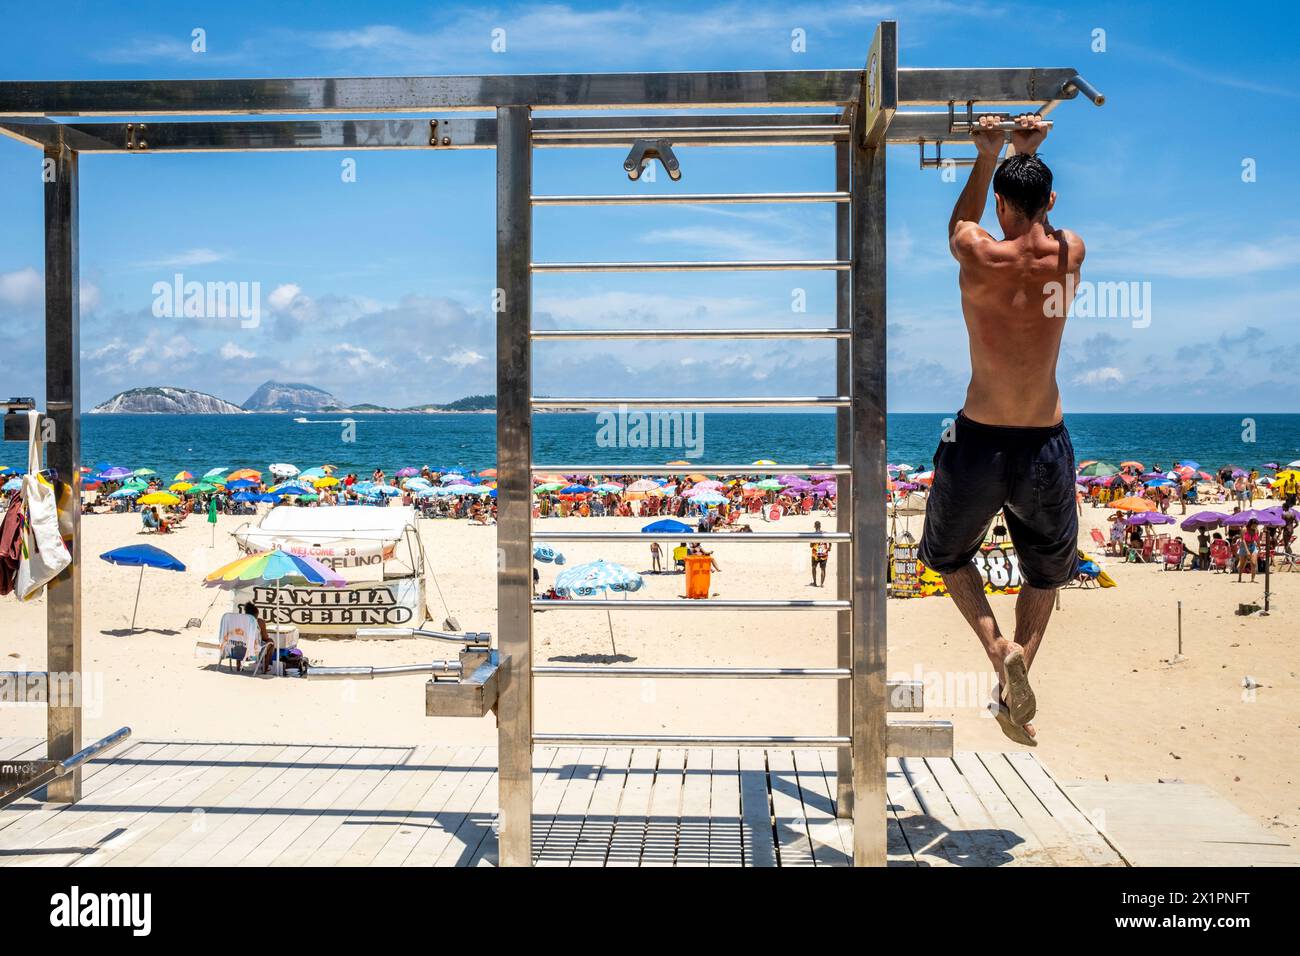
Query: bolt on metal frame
x=868, y=115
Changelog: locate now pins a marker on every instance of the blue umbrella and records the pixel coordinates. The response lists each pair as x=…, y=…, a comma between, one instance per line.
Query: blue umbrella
x=142, y=556
x=575, y=490
x=1191, y=464
x=13, y=484
x=667, y=526
x=588, y=580
x=547, y=554
x=240, y=483
x=247, y=496
x=125, y=493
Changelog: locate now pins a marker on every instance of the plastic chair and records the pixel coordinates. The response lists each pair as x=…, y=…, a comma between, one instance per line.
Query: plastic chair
x=1173, y=554
x=1220, y=552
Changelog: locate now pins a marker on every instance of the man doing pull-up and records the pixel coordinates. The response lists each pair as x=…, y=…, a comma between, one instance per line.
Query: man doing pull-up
x=1008, y=450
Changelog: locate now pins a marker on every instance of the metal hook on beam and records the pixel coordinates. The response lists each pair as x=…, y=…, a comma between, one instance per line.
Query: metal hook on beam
x=645, y=150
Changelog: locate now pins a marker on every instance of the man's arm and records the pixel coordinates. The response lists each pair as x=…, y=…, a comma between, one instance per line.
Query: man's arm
x=964, y=224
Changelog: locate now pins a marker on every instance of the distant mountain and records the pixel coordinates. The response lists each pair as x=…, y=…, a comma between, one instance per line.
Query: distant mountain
x=471, y=403
x=291, y=397
x=165, y=400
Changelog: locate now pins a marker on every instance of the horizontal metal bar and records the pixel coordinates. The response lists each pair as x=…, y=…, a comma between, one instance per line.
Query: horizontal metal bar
x=758, y=537
x=362, y=672
x=810, y=401
x=1077, y=82
x=938, y=87
x=687, y=129
x=721, y=673
x=770, y=265
x=64, y=767
x=405, y=94
x=843, y=471
x=632, y=199
x=709, y=604
x=685, y=740
x=579, y=334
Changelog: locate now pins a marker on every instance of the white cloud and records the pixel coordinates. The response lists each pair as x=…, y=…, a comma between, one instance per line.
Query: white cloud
x=283, y=296
x=463, y=358
x=1107, y=377
x=231, y=351
x=22, y=288
x=190, y=257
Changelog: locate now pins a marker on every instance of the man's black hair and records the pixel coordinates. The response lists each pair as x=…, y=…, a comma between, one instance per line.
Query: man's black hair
x=1024, y=181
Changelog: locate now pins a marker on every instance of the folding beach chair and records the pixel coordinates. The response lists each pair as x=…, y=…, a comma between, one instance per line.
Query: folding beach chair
x=1220, y=552
x=1099, y=539
x=1173, y=554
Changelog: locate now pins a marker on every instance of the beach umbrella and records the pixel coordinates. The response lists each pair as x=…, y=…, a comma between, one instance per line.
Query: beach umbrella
x=239, y=484
x=488, y=472
x=215, y=472
x=1188, y=463
x=1132, y=504
x=125, y=493
x=283, y=470
x=181, y=486
x=1101, y=468
x=1132, y=464
x=708, y=498
x=452, y=477
x=595, y=577
x=1203, y=519
x=608, y=486
x=769, y=484
x=547, y=487
x=1294, y=464
x=272, y=568
x=643, y=484
x=5, y=471
x=1147, y=517
x=678, y=463
x=183, y=476
x=407, y=472
x=547, y=554
x=387, y=491
x=143, y=472
x=329, y=481
x=159, y=498
x=116, y=473
x=142, y=556
x=576, y=490
x=668, y=526
x=1161, y=482
x=286, y=489
x=246, y=496
x=1267, y=517
x=761, y=461
x=1287, y=473
x=13, y=484
x=252, y=473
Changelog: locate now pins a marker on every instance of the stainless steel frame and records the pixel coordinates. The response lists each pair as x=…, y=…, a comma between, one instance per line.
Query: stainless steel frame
x=872, y=107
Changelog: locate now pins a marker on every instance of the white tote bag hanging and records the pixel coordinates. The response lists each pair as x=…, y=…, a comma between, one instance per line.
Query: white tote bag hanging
x=44, y=553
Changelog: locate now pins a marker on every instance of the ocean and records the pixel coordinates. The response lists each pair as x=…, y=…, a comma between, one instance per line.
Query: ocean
x=170, y=443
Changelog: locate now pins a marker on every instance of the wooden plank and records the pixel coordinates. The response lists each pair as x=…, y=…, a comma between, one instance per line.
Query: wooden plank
x=1027, y=846
x=725, y=849
x=566, y=825
x=825, y=833
x=459, y=804
x=998, y=842
x=335, y=801
x=277, y=802
x=488, y=852
x=98, y=773
x=83, y=827
x=926, y=837
x=794, y=847
x=968, y=845
x=463, y=846
x=380, y=806
x=598, y=826
x=232, y=813
x=665, y=810
x=18, y=748
x=549, y=794
x=423, y=816
x=755, y=810
x=1055, y=838
x=187, y=809
x=693, y=830
x=632, y=816
x=1085, y=835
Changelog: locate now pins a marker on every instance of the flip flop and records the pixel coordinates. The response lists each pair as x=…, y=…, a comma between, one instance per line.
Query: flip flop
x=1011, y=729
x=1017, y=693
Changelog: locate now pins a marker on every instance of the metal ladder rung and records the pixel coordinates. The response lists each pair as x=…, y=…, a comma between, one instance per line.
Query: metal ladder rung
x=758, y=537
x=832, y=401
x=724, y=673
x=683, y=198
x=574, y=334
x=767, y=265
x=686, y=604
x=841, y=471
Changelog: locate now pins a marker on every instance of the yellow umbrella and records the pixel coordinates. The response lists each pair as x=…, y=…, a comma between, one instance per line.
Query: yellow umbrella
x=1286, y=473
x=181, y=486
x=328, y=482
x=159, y=498
x=764, y=461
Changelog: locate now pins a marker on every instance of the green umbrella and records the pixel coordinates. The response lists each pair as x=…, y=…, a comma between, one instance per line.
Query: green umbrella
x=1099, y=469
x=769, y=484
x=141, y=472
x=549, y=486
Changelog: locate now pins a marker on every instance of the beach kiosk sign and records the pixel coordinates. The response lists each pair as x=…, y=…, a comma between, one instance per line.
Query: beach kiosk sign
x=378, y=551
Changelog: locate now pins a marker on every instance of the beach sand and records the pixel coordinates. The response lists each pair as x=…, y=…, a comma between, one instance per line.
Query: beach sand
x=1111, y=705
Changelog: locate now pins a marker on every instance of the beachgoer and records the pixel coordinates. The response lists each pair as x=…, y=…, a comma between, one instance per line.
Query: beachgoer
x=656, y=558
x=821, y=551
x=679, y=557
x=1248, y=549
x=1009, y=449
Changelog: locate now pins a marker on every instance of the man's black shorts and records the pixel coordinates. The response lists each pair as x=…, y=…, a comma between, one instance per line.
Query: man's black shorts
x=1028, y=473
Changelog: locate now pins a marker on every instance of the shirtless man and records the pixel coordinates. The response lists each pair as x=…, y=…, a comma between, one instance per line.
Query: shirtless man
x=1009, y=449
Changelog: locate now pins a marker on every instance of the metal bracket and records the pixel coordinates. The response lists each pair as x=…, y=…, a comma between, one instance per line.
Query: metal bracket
x=645, y=150
x=135, y=136
x=473, y=695
x=971, y=122
x=937, y=161
x=434, y=139
x=15, y=426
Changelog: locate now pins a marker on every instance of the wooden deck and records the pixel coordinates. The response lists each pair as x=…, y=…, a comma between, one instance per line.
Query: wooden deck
x=156, y=803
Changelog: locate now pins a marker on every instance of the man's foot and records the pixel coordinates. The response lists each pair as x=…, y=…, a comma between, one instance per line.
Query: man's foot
x=1016, y=692
x=1021, y=734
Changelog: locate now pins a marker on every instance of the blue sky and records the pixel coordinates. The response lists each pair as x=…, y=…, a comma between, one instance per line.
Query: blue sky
x=379, y=289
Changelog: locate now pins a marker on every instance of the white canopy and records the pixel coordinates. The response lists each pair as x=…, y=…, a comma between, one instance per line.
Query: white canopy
x=329, y=523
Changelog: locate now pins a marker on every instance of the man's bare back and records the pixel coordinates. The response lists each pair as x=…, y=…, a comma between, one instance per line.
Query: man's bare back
x=1014, y=294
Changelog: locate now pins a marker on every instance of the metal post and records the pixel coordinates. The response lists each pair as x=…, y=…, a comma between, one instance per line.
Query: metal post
x=514, y=482
x=843, y=492
x=869, y=476
x=63, y=407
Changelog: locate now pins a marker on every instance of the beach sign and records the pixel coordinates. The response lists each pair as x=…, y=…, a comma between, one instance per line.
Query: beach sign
x=998, y=567
x=398, y=602
x=905, y=578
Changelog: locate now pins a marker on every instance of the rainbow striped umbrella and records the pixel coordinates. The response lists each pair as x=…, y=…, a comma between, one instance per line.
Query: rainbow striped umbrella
x=271, y=568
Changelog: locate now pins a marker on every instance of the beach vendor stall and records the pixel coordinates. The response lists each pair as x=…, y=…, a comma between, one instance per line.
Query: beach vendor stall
x=376, y=550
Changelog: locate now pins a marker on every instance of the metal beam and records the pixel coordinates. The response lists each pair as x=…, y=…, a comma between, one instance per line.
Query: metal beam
x=408, y=94
x=514, y=483
x=939, y=87
x=843, y=490
x=63, y=454
x=869, y=473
